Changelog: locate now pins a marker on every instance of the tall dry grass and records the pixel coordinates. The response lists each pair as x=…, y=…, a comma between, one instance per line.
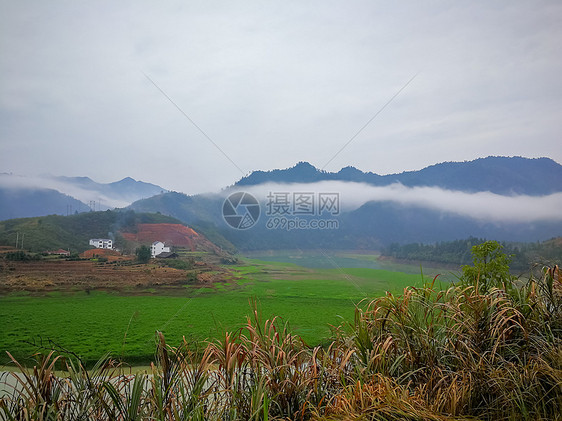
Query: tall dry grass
x=476, y=350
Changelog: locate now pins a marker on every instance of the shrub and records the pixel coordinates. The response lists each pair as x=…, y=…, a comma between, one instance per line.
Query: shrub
x=490, y=268
x=178, y=264
x=143, y=254
x=21, y=256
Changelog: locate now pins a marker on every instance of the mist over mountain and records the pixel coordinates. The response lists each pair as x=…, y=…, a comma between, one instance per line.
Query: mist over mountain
x=22, y=196
x=371, y=226
x=507, y=199
x=126, y=190
x=511, y=199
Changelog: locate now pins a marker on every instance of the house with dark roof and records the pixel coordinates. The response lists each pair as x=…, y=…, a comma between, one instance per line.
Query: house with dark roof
x=167, y=255
x=158, y=247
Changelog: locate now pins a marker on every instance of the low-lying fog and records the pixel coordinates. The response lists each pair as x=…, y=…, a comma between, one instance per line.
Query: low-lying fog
x=479, y=205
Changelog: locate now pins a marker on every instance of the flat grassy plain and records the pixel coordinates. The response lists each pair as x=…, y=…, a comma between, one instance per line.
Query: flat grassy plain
x=92, y=324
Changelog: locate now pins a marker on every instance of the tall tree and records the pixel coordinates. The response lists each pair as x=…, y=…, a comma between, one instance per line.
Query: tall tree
x=143, y=254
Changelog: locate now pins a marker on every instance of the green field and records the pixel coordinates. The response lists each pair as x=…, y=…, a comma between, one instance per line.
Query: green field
x=323, y=259
x=310, y=299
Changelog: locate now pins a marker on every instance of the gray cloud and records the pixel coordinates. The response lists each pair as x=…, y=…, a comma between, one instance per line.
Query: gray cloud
x=273, y=84
x=480, y=205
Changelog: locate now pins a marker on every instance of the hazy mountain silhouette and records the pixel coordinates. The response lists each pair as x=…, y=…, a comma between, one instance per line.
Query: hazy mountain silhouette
x=22, y=203
x=33, y=196
x=126, y=189
x=501, y=175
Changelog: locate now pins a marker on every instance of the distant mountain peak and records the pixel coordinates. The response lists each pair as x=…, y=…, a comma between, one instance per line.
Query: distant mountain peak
x=127, y=180
x=497, y=174
x=302, y=172
x=350, y=170
x=304, y=164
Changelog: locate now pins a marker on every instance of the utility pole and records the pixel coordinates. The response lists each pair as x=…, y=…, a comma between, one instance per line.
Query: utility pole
x=17, y=238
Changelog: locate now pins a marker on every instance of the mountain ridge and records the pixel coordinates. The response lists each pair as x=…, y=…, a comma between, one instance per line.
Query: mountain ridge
x=497, y=174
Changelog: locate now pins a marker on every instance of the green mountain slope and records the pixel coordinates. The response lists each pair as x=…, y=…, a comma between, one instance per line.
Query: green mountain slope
x=73, y=232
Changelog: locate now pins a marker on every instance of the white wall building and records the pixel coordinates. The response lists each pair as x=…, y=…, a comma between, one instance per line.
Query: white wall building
x=158, y=247
x=101, y=243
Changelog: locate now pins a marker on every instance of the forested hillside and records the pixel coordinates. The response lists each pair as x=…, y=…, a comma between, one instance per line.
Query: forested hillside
x=73, y=232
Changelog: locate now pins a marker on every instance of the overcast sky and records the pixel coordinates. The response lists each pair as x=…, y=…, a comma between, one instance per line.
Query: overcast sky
x=273, y=83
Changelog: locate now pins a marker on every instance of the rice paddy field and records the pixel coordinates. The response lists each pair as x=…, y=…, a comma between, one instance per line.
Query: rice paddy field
x=318, y=293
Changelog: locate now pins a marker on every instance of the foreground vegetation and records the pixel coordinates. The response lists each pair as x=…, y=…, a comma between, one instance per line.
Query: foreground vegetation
x=486, y=348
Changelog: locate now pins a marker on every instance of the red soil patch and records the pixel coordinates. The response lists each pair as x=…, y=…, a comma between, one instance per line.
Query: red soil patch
x=171, y=234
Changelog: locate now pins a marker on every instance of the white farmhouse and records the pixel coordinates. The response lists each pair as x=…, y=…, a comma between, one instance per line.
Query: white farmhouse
x=101, y=243
x=158, y=247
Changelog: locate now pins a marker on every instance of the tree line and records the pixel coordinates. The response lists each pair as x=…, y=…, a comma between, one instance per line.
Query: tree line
x=458, y=252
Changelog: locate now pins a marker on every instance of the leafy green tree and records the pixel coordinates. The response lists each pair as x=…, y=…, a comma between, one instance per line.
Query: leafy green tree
x=490, y=268
x=143, y=254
